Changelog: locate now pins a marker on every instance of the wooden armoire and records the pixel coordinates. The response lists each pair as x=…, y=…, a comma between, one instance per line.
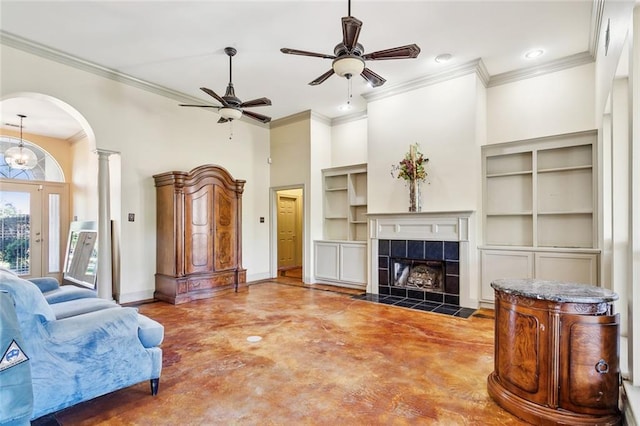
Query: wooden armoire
x=199, y=234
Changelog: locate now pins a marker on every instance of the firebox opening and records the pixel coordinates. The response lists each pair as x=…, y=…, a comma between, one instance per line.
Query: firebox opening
x=418, y=274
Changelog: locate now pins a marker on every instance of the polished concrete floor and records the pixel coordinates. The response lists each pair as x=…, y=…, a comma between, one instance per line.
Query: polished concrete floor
x=324, y=358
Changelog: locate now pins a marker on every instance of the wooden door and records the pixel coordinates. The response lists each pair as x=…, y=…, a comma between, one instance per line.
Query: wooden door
x=522, y=351
x=287, y=236
x=198, y=229
x=225, y=237
x=589, y=366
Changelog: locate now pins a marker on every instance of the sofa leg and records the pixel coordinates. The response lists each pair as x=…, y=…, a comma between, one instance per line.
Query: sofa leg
x=154, y=386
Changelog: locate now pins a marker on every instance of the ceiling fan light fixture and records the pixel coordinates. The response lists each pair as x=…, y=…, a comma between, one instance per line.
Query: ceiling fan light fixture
x=348, y=66
x=19, y=157
x=230, y=113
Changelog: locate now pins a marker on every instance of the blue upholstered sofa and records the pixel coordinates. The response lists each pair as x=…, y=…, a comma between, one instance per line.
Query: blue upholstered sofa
x=78, y=347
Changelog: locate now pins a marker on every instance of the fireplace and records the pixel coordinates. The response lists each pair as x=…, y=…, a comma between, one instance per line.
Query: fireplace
x=417, y=274
x=421, y=270
x=424, y=256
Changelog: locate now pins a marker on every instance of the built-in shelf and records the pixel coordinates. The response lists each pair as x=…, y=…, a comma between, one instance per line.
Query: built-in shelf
x=494, y=175
x=565, y=169
x=345, y=199
x=540, y=194
x=340, y=256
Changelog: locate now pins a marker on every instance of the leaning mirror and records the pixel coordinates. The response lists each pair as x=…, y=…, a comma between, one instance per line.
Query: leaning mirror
x=81, y=262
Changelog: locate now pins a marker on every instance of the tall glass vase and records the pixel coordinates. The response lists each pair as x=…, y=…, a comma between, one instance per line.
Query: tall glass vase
x=415, y=199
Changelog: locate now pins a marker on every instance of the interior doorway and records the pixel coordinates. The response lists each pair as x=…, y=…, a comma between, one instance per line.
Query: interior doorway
x=289, y=232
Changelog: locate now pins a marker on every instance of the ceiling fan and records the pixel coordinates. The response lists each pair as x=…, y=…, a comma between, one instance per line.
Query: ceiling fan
x=349, y=58
x=232, y=107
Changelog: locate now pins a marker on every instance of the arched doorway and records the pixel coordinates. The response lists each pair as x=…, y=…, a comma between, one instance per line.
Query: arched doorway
x=37, y=205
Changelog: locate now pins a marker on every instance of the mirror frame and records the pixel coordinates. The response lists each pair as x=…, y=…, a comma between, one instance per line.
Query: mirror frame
x=74, y=273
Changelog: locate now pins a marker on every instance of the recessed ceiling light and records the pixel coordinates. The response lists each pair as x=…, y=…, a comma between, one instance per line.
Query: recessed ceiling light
x=535, y=53
x=445, y=57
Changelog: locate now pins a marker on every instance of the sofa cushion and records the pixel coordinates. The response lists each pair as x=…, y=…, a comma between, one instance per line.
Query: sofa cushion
x=72, y=308
x=150, y=332
x=45, y=283
x=68, y=292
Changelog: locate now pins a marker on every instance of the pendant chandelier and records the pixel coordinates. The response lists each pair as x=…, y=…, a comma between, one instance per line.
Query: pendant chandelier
x=19, y=157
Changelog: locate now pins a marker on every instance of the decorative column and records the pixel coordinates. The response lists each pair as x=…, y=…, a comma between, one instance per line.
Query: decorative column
x=105, y=279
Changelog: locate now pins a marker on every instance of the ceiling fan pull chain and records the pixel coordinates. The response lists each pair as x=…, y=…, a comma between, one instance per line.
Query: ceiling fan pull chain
x=230, y=129
x=349, y=93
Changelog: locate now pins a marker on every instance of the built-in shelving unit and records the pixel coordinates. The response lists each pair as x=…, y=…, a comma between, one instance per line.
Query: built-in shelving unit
x=539, y=196
x=340, y=257
x=345, y=203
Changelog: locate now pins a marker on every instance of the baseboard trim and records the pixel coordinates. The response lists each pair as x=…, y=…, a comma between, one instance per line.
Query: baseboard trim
x=630, y=402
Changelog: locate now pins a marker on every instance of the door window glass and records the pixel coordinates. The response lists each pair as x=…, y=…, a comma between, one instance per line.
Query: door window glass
x=15, y=231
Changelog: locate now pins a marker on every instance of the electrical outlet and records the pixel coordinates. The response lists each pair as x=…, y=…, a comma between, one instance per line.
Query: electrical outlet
x=132, y=217
x=261, y=219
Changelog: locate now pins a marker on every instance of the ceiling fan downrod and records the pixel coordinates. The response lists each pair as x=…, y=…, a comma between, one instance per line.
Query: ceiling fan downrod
x=231, y=52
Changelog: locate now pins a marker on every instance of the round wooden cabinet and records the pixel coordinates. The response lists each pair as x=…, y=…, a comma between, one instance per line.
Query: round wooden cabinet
x=556, y=352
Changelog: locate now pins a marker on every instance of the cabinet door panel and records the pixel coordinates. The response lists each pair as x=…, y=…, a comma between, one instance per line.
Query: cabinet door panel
x=326, y=260
x=225, y=230
x=197, y=238
x=353, y=263
x=521, y=351
x=567, y=267
x=503, y=264
x=589, y=363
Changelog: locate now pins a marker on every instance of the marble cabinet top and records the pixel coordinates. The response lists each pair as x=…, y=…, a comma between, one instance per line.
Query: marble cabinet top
x=555, y=291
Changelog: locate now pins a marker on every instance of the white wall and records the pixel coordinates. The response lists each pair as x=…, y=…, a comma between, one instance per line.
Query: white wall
x=84, y=183
x=442, y=119
x=620, y=198
x=290, y=151
x=552, y=104
x=300, y=149
x=290, y=144
x=349, y=143
x=153, y=135
x=320, y=159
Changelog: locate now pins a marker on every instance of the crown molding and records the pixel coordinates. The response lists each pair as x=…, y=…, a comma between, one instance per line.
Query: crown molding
x=428, y=80
x=475, y=66
x=11, y=40
x=290, y=119
x=37, y=49
x=597, y=12
x=538, y=70
x=321, y=118
x=349, y=118
x=81, y=135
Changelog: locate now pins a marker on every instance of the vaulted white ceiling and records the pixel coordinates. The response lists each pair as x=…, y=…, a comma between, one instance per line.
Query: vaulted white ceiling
x=178, y=45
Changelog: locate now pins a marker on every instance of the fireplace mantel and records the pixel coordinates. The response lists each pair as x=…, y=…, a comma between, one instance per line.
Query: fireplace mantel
x=443, y=225
x=455, y=226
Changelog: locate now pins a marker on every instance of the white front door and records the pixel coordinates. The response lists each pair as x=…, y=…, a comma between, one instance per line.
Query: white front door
x=33, y=227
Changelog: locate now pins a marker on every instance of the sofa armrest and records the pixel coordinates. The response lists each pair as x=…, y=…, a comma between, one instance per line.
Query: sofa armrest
x=103, y=325
x=45, y=283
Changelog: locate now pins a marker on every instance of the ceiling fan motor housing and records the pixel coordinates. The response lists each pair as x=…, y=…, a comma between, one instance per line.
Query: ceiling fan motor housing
x=341, y=50
x=230, y=96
